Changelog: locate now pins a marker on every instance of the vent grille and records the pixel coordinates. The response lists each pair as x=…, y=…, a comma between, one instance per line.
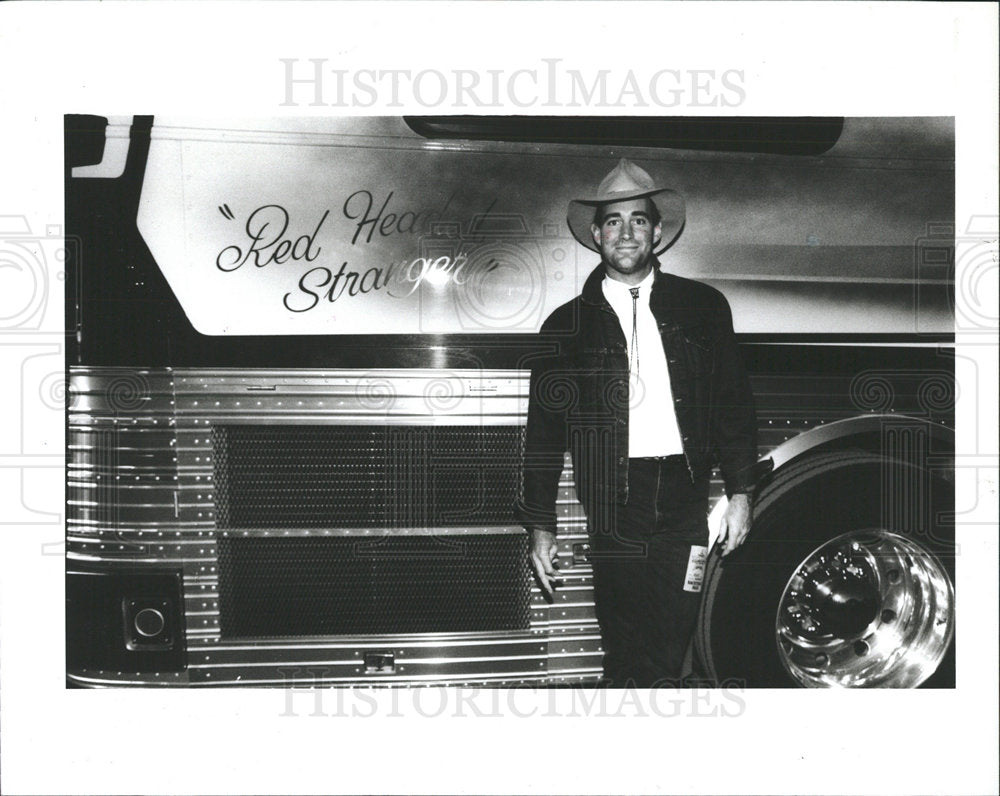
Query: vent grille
x=366, y=476
x=301, y=586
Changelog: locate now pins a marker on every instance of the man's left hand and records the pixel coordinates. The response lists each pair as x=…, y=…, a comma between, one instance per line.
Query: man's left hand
x=736, y=522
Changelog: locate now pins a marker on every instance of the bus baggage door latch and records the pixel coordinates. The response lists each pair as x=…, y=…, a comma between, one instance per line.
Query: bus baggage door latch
x=380, y=662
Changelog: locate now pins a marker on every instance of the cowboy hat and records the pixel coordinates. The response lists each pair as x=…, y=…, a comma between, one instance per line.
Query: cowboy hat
x=628, y=181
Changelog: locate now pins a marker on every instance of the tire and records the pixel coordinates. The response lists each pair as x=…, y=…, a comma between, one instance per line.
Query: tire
x=850, y=634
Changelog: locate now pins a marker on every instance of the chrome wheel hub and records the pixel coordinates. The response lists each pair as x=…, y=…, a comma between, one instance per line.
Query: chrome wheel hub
x=866, y=609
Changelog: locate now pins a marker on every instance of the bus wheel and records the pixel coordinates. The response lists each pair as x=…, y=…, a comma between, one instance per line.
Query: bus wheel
x=844, y=581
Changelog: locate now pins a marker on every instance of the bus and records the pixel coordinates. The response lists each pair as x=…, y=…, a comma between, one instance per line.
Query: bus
x=298, y=353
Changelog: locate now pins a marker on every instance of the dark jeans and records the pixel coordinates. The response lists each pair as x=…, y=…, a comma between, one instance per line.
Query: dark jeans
x=640, y=561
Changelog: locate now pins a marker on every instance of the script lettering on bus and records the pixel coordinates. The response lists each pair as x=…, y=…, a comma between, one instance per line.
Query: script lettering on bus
x=359, y=206
x=399, y=280
x=266, y=228
x=268, y=242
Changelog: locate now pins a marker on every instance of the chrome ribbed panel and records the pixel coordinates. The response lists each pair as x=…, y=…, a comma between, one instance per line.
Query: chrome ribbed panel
x=132, y=498
x=404, y=397
x=429, y=660
x=141, y=486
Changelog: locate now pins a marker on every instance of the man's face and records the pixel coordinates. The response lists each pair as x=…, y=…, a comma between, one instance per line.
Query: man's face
x=626, y=238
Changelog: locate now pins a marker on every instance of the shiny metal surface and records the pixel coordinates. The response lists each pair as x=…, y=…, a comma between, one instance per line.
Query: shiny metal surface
x=866, y=609
x=148, y=622
x=140, y=488
x=833, y=277
x=141, y=493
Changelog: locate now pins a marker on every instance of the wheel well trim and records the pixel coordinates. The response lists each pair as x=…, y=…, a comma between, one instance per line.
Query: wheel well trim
x=821, y=437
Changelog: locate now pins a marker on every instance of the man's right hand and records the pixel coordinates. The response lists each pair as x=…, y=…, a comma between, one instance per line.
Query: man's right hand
x=543, y=558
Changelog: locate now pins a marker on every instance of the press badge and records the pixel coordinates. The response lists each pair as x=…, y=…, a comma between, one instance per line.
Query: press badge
x=695, y=574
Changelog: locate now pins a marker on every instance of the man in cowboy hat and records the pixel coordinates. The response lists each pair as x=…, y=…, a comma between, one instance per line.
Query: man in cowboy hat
x=643, y=384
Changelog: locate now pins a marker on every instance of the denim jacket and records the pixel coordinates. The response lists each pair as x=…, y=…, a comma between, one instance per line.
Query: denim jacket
x=579, y=397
